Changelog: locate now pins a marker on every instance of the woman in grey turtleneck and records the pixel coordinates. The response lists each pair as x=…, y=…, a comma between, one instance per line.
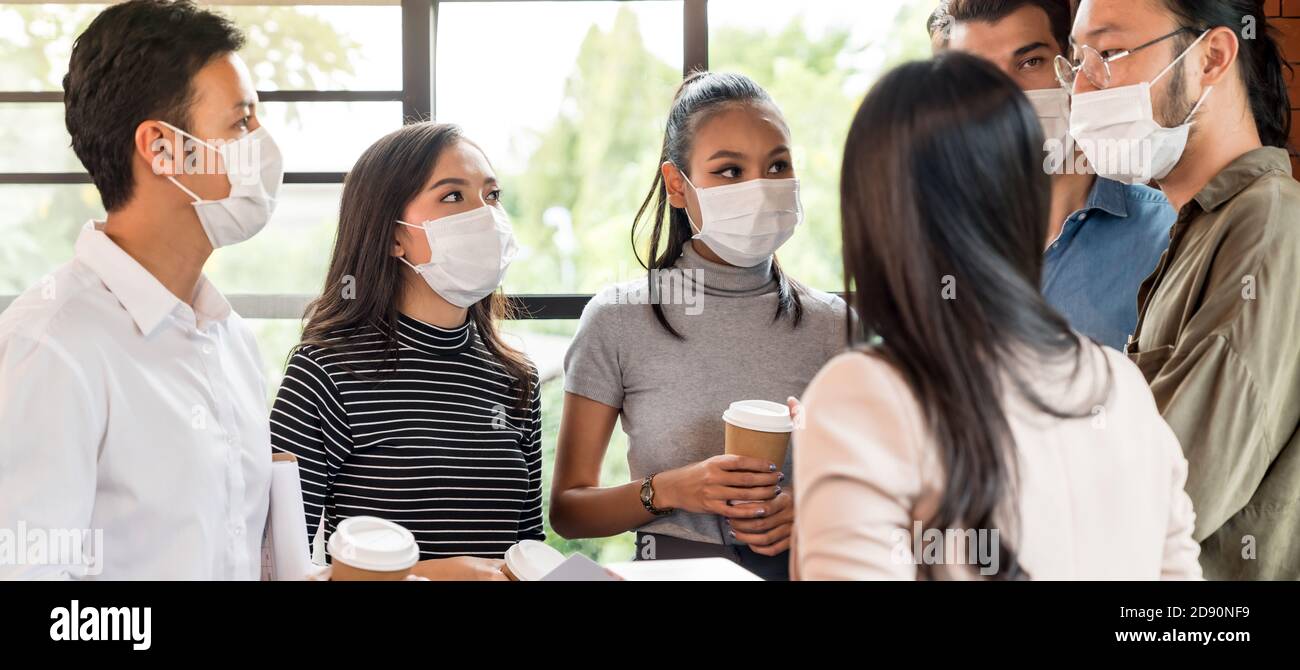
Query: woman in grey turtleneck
x=715, y=321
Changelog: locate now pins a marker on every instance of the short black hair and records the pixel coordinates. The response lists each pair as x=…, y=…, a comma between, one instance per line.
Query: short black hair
x=134, y=63
x=989, y=11
x=1259, y=56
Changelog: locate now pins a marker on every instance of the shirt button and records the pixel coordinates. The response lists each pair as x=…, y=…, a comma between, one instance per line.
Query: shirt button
x=207, y=348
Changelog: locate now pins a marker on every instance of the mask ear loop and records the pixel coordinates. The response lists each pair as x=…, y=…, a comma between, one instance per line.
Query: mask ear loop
x=403, y=258
x=182, y=132
x=697, y=230
x=172, y=178
x=188, y=192
x=1186, y=51
x=1171, y=65
x=1204, y=96
x=408, y=264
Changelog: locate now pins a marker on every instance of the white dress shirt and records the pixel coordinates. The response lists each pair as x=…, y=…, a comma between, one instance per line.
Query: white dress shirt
x=126, y=413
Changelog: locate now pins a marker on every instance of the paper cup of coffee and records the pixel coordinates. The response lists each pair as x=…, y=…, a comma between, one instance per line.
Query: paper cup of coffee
x=758, y=429
x=531, y=560
x=367, y=548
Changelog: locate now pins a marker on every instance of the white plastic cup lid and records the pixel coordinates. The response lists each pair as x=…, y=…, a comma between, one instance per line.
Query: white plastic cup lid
x=371, y=543
x=761, y=415
x=530, y=560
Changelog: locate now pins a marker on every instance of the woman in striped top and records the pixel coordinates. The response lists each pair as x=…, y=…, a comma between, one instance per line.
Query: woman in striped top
x=402, y=401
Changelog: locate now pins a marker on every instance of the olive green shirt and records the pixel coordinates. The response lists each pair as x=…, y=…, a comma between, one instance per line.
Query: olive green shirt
x=1218, y=339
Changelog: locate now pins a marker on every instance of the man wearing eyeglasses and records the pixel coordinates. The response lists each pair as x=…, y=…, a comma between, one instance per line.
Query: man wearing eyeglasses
x=1105, y=236
x=1192, y=94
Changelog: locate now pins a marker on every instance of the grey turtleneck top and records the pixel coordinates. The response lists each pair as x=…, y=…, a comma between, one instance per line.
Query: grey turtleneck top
x=671, y=393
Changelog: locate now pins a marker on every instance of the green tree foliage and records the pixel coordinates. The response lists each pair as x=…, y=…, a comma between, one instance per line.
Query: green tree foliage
x=595, y=162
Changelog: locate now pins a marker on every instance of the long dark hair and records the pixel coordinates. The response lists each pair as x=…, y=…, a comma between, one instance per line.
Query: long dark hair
x=1259, y=57
x=945, y=206
x=700, y=94
x=364, y=280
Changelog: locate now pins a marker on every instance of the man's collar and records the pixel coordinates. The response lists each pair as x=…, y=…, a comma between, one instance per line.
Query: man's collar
x=1241, y=173
x=1108, y=196
x=140, y=293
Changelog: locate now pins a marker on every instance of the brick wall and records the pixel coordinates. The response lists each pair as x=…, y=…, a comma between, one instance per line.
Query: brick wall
x=1285, y=15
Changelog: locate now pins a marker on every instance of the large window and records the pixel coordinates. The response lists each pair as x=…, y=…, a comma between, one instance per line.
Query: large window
x=567, y=97
x=817, y=60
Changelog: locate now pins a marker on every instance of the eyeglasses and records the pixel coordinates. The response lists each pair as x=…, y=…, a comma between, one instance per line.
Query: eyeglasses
x=1097, y=67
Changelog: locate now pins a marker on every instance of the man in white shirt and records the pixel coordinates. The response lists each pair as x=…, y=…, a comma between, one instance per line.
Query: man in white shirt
x=133, y=434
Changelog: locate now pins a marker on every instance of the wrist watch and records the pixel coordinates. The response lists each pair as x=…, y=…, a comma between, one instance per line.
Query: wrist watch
x=648, y=497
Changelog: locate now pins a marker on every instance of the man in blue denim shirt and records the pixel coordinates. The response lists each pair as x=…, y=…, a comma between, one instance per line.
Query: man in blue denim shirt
x=1106, y=237
x=1092, y=271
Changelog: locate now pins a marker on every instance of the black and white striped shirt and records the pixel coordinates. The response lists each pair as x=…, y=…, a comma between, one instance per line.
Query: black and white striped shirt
x=436, y=444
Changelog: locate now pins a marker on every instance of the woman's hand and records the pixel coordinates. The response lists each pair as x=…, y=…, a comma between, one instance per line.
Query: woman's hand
x=462, y=569
x=767, y=535
x=770, y=535
x=712, y=485
x=796, y=411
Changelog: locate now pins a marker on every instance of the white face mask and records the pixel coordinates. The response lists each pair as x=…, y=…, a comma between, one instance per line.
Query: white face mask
x=1117, y=130
x=746, y=223
x=253, y=188
x=469, y=254
x=1052, y=105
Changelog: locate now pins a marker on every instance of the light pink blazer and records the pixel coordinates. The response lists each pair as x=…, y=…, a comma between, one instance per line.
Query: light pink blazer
x=1100, y=497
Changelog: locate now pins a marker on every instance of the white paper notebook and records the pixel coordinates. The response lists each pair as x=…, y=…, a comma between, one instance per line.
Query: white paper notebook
x=531, y=560
x=284, y=545
x=683, y=570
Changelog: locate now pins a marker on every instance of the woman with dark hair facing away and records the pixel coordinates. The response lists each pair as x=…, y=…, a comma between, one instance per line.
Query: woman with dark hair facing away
x=974, y=435
x=716, y=321
x=403, y=401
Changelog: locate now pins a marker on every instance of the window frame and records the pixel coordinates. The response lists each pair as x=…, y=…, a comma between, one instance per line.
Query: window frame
x=419, y=32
